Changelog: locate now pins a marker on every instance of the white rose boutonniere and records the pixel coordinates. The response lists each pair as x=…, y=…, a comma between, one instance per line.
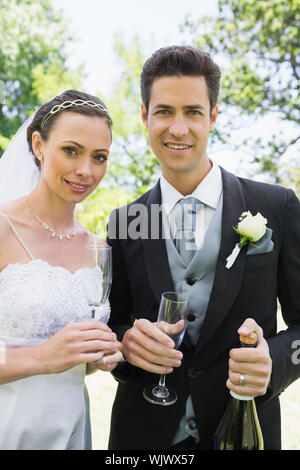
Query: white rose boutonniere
x=251, y=228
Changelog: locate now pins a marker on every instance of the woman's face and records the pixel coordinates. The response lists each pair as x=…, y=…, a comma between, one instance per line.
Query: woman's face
x=74, y=155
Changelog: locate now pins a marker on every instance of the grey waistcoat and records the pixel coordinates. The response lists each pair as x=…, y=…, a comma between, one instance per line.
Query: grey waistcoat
x=202, y=269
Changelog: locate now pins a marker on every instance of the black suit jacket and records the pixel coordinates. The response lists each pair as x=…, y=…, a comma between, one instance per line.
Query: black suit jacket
x=249, y=289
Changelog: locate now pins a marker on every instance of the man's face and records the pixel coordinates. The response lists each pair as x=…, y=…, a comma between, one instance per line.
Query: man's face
x=179, y=121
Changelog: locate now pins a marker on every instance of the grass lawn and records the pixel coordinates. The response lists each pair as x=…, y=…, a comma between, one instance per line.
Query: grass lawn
x=102, y=388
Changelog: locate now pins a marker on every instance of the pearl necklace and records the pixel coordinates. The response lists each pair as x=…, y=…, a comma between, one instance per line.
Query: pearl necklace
x=54, y=234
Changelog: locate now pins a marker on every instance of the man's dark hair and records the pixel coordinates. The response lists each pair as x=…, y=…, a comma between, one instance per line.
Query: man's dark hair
x=180, y=61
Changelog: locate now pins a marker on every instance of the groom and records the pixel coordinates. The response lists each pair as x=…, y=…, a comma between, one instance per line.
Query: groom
x=177, y=237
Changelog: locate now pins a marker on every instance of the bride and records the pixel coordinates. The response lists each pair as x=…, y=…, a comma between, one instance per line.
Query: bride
x=47, y=337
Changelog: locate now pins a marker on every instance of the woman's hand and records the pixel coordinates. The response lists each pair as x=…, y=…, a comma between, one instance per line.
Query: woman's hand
x=108, y=363
x=77, y=343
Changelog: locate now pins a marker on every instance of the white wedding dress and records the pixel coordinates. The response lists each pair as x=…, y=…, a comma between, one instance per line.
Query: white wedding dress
x=50, y=411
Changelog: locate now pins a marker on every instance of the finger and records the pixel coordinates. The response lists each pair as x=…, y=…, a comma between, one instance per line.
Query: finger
x=90, y=325
x=111, y=367
x=151, y=330
x=98, y=345
x=171, y=329
x=137, y=341
x=249, y=380
x=257, y=375
x=107, y=367
x=249, y=355
x=112, y=358
x=88, y=335
x=150, y=338
x=250, y=327
x=246, y=390
x=89, y=357
x=149, y=367
x=110, y=362
x=163, y=358
x=240, y=389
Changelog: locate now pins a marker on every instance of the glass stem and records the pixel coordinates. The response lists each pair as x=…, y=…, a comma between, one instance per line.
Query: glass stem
x=160, y=390
x=162, y=381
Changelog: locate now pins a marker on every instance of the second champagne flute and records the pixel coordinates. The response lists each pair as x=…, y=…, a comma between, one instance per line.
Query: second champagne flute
x=98, y=262
x=172, y=321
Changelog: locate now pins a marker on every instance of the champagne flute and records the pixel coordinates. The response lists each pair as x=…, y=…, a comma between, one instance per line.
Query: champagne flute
x=172, y=321
x=98, y=267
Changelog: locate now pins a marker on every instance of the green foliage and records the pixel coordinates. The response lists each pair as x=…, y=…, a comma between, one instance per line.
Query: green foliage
x=290, y=177
x=94, y=212
x=33, y=56
x=33, y=69
x=53, y=79
x=3, y=142
x=132, y=164
x=257, y=44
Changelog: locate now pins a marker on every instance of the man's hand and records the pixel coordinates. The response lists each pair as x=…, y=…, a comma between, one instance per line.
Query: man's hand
x=146, y=346
x=255, y=364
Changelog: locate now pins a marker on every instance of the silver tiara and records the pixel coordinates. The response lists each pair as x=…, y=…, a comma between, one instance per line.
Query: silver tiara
x=71, y=104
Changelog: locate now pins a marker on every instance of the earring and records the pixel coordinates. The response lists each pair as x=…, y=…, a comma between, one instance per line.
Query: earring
x=40, y=158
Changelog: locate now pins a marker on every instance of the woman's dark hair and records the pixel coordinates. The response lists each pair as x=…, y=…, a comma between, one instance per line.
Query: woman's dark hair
x=180, y=61
x=44, y=110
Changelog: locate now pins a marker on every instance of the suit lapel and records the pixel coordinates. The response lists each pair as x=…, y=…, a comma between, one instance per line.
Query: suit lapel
x=154, y=247
x=227, y=282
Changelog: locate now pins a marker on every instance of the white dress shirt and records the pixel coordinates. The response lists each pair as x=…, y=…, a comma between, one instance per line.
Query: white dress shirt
x=208, y=192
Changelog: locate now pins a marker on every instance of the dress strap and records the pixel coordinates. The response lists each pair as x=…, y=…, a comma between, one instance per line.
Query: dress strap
x=17, y=235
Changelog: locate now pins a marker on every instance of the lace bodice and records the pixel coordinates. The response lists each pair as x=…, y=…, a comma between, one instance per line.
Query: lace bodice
x=37, y=299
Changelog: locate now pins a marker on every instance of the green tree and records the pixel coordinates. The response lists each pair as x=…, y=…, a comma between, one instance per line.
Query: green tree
x=94, y=212
x=257, y=44
x=33, y=68
x=33, y=58
x=132, y=164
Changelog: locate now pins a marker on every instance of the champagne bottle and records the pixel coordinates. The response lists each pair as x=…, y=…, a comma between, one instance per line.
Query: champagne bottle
x=239, y=428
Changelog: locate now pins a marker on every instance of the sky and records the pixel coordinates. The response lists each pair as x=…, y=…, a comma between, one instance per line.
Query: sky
x=94, y=24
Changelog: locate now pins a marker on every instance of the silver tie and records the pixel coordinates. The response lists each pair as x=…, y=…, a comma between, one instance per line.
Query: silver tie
x=185, y=222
